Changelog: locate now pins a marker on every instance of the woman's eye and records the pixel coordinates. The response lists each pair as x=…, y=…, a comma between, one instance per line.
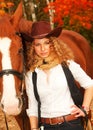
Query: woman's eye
x=37, y=44
x=47, y=42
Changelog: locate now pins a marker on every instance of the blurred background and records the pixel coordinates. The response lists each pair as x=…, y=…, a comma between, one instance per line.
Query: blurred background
x=70, y=14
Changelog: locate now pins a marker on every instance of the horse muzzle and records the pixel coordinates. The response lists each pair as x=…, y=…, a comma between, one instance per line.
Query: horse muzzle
x=12, y=107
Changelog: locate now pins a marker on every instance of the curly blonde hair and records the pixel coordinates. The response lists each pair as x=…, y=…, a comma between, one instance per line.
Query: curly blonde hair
x=61, y=49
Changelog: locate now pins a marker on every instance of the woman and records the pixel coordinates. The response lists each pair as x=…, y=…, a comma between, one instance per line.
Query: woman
x=45, y=56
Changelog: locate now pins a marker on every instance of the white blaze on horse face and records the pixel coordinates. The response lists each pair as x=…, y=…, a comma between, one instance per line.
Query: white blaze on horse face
x=9, y=100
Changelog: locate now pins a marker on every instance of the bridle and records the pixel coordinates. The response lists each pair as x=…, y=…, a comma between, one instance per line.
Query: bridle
x=11, y=71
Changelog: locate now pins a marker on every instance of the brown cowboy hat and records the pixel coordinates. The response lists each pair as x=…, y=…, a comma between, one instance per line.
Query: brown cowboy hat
x=42, y=29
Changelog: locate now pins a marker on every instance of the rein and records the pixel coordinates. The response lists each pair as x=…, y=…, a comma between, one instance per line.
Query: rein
x=7, y=128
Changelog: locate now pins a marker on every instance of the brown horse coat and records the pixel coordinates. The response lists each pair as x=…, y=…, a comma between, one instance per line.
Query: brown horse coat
x=81, y=48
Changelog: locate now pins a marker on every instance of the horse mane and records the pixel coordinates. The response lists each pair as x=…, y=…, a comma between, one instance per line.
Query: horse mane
x=6, y=29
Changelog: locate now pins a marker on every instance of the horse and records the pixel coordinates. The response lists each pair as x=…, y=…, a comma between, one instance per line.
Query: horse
x=14, y=35
x=12, y=67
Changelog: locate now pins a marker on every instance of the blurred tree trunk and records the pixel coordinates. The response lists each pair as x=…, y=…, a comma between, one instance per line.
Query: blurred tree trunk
x=29, y=10
x=51, y=13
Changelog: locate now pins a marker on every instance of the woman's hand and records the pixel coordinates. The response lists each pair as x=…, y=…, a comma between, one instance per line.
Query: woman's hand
x=77, y=111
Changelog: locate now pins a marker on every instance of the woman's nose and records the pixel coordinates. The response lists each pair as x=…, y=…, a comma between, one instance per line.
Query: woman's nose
x=42, y=48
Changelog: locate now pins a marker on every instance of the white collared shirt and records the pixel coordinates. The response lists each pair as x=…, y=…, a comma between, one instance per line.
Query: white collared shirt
x=53, y=91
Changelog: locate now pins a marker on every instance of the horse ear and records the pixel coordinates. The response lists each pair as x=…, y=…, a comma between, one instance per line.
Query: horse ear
x=16, y=17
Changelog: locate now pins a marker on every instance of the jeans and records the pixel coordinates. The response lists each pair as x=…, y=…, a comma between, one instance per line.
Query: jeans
x=71, y=125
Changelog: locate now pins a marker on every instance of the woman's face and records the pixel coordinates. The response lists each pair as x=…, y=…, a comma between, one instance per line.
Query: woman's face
x=42, y=47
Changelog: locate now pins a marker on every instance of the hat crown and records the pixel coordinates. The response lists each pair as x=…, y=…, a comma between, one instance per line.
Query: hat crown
x=40, y=28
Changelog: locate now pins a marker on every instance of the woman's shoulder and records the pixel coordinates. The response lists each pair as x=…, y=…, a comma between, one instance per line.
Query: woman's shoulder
x=28, y=74
x=73, y=63
x=74, y=66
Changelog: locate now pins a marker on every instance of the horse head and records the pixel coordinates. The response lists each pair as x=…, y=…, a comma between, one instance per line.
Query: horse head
x=11, y=63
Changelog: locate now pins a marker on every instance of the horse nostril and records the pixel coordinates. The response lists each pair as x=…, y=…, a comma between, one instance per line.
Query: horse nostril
x=20, y=102
x=2, y=106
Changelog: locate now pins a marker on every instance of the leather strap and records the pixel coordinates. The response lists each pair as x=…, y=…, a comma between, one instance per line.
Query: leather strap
x=57, y=120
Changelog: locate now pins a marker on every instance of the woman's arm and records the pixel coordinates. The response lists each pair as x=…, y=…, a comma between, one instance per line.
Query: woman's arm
x=87, y=83
x=88, y=95
x=32, y=110
x=34, y=123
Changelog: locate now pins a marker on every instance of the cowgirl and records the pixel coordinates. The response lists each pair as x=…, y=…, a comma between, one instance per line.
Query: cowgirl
x=58, y=110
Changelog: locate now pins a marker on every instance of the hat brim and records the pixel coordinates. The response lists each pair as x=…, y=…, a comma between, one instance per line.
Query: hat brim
x=54, y=33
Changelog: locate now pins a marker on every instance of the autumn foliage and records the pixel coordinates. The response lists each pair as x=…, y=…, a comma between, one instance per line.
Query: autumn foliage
x=5, y=6
x=73, y=12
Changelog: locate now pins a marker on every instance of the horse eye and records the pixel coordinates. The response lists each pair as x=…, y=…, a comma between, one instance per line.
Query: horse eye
x=19, y=34
x=20, y=51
